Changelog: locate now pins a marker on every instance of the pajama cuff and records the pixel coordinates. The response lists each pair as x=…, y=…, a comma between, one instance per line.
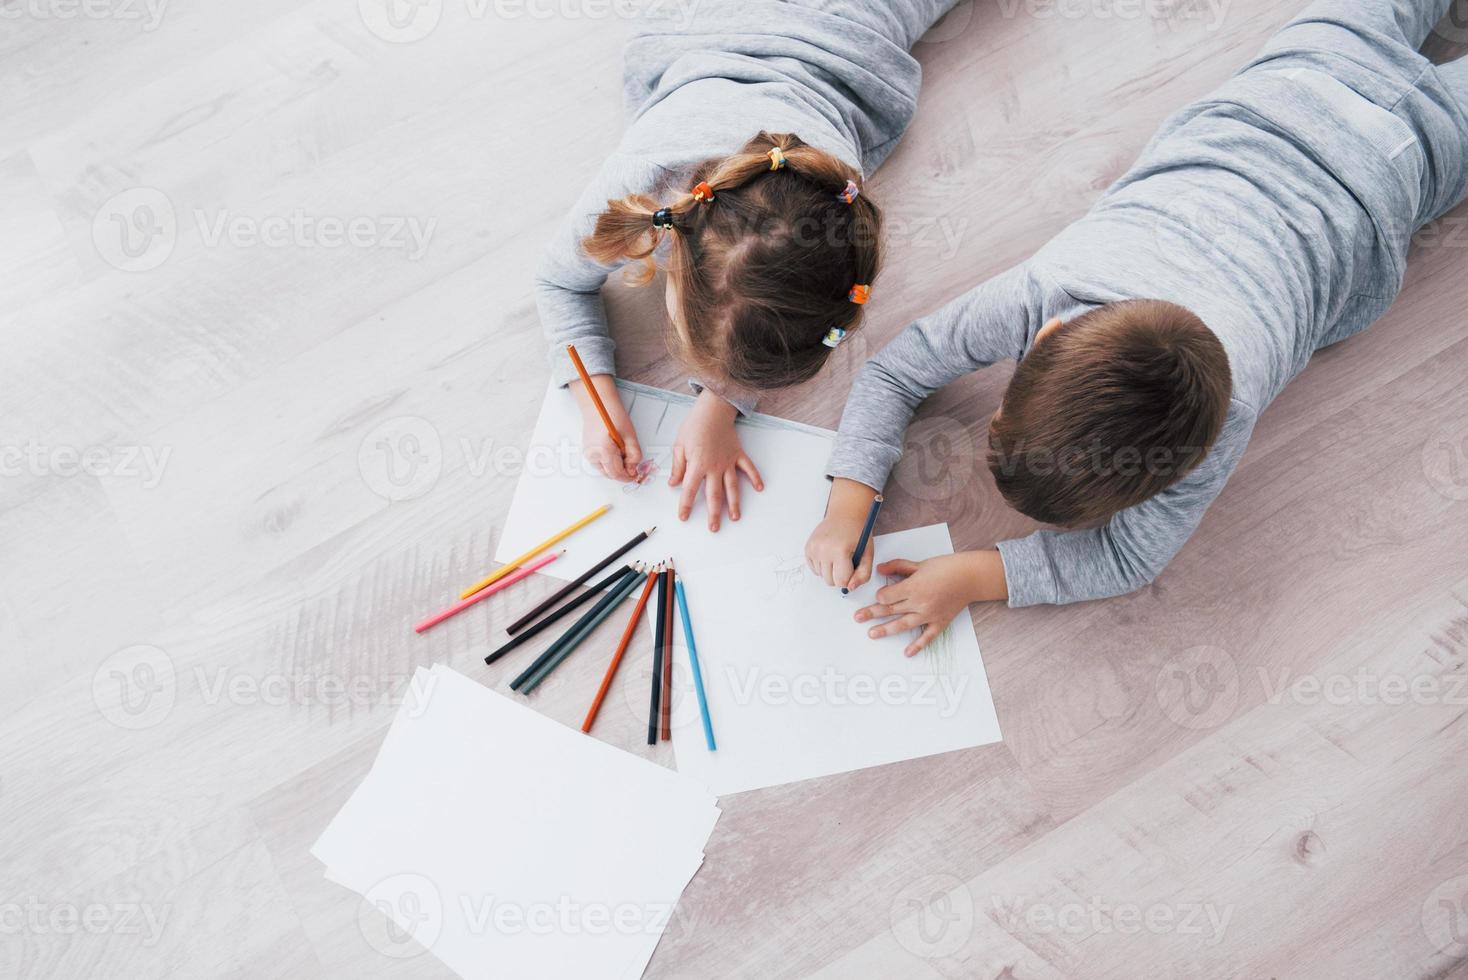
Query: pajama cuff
x=596, y=353
x=1027, y=572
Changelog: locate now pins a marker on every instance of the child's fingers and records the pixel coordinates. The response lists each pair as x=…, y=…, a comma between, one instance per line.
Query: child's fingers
x=930, y=632
x=713, y=493
x=602, y=464
x=746, y=465
x=877, y=610
x=898, y=566
x=615, y=467
x=686, y=498
x=731, y=493
x=863, y=573
x=841, y=570
x=632, y=458
x=825, y=572
x=901, y=624
x=895, y=592
x=680, y=463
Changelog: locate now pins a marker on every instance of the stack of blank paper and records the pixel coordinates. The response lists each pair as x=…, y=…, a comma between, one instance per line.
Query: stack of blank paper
x=509, y=845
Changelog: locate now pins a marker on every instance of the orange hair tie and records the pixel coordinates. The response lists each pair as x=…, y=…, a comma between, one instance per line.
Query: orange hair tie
x=859, y=294
x=703, y=193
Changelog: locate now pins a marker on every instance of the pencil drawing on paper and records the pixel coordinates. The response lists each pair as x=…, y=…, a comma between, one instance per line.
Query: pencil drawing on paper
x=787, y=574
x=646, y=470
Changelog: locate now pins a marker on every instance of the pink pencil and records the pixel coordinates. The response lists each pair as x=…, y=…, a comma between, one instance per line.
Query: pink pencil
x=505, y=582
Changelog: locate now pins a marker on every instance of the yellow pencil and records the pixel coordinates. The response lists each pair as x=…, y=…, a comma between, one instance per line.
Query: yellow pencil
x=506, y=569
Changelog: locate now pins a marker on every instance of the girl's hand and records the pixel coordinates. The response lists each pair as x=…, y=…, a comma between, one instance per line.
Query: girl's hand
x=596, y=443
x=707, y=452
x=932, y=593
x=829, y=549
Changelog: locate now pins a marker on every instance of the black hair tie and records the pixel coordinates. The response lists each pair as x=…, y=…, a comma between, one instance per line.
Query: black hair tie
x=663, y=218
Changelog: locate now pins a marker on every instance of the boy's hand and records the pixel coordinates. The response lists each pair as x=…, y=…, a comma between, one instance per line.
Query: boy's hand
x=707, y=452
x=596, y=443
x=932, y=593
x=830, y=546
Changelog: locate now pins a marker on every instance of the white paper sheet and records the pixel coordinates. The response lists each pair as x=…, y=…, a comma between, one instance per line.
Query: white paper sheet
x=511, y=846
x=797, y=689
x=558, y=487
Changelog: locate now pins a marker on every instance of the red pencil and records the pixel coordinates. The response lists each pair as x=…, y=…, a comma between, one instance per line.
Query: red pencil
x=606, y=682
x=667, y=705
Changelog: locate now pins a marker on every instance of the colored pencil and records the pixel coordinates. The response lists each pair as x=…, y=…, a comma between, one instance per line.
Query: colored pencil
x=703, y=705
x=606, y=681
x=567, y=648
x=601, y=409
x=598, y=589
x=667, y=705
x=586, y=617
x=657, y=658
x=866, y=535
x=509, y=567
x=502, y=584
x=576, y=583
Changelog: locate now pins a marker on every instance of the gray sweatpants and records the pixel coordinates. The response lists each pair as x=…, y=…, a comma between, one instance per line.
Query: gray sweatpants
x=1372, y=47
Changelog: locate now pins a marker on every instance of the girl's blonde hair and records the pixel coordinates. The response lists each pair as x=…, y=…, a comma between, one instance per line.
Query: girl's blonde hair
x=763, y=271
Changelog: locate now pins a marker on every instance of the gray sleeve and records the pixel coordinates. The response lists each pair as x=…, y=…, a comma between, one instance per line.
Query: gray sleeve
x=1132, y=548
x=993, y=321
x=568, y=281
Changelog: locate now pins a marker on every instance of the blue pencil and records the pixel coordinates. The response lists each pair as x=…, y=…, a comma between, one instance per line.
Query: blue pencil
x=866, y=535
x=703, y=705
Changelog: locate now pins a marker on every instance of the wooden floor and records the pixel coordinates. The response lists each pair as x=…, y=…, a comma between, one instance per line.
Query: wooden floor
x=1254, y=768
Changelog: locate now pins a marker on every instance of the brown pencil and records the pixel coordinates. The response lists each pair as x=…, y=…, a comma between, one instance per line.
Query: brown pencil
x=595, y=398
x=667, y=705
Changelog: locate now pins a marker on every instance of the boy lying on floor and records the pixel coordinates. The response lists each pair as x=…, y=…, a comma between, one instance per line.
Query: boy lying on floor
x=1261, y=224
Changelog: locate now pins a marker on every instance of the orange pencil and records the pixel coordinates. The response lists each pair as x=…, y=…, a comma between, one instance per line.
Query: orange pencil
x=595, y=398
x=606, y=682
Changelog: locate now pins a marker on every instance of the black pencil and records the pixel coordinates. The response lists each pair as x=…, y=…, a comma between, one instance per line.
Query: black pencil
x=590, y=615
x=666, y=709
x=579, y=581
x=575, y=603
x=866, y=535
x=657, y=657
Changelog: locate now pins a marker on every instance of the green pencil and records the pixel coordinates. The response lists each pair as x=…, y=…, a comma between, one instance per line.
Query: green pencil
x=572, y=642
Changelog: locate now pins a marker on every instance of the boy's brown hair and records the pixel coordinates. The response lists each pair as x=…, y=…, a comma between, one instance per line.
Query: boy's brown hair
x=1108, y=410
x=763, y=271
